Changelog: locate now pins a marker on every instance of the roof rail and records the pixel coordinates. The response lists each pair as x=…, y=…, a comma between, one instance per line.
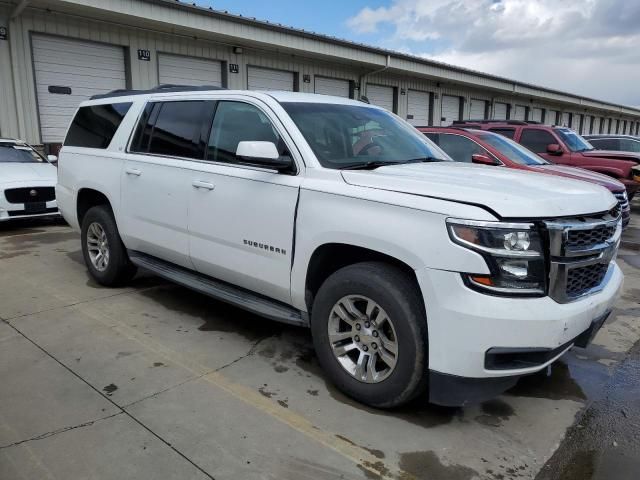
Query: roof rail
x=164, y=88
x=510, y=122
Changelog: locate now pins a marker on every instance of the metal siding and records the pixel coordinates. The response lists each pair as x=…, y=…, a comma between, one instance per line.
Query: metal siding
x=450, y=110
x=180, y=70
x=87, y=68
x=477, y=109
x=332, y=86
x=499, y=111
x=267, y=79
x=418, y=107
x=381, y=96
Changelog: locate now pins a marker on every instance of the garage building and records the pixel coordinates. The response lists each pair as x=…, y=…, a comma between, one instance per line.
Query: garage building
x=56, y=53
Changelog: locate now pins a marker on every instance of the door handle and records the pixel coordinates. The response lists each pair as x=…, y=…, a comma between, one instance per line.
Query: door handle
x=133, y=171
x=205, y=185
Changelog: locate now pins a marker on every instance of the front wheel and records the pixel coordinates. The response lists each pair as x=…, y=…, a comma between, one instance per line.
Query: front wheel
x=370, y=334
x=104, y=253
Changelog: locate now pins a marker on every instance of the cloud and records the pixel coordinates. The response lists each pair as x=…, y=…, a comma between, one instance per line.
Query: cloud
x=583, y=46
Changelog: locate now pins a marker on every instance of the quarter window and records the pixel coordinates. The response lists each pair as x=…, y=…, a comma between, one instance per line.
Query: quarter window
x=94, y=126
x=236, y=122
x=536, y=140
x=628, y=145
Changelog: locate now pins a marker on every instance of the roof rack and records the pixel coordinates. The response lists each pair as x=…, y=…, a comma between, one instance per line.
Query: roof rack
x=164, y=88
x=510, y=122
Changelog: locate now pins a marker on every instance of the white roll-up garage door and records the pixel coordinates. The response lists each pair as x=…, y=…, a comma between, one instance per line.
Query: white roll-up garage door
x=596, y=125
x=520, y=113
x=477, y=109
x=381, y=96
x=267, y=79
x=450, y=110
x=332, y=86
x=565, y=119
x=552, y=117
x=67, y=72
x=418, y=108
x=536, y=115
x=180, y=70
x=500, y=111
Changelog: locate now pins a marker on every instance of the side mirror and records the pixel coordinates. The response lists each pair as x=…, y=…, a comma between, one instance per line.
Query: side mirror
x=554, y=149
x=482, y=159
x=264, y=154
x=52, y=159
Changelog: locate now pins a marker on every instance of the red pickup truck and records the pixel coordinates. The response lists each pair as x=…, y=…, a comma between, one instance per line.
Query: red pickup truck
x=563, y=146
x=487, y=148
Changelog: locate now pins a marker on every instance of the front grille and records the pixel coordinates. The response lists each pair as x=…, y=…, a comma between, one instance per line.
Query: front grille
x=30, y=194
x=582, y=279
x=588, y=238
x=581, y=250
x=623, y=201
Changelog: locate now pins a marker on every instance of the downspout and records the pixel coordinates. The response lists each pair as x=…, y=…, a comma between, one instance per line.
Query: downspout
x=365, y=75
x=19, y=9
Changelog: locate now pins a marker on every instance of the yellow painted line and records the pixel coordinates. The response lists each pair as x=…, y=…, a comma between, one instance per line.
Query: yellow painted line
x=353, y=452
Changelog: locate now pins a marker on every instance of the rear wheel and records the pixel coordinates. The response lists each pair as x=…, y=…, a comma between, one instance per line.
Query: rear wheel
x=370, y=334
x=104, y=253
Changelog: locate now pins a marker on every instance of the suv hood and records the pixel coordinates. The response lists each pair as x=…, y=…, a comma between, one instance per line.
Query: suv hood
x=509, y=193
x=613, y=154
x=578, y=173
x=11, y=172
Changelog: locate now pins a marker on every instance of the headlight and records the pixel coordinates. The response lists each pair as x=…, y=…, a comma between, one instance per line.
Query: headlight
x=513, y=252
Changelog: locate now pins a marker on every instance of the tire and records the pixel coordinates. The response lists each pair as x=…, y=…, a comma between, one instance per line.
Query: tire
x=397, y=296
x=117, y=269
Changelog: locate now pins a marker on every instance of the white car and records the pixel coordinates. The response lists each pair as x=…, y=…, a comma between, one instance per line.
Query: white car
x=27, y=182
x=412, y=271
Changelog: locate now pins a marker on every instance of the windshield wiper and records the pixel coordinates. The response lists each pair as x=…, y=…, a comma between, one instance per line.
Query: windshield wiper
x=370, y=165
x=373, y=164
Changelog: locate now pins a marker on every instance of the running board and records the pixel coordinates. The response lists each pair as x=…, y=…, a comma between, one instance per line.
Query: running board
x=224, y=292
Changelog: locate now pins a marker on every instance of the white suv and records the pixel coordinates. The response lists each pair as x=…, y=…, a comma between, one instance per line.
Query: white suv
x=411, y=270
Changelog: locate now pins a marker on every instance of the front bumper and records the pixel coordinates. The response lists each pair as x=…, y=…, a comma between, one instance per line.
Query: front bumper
x=464, y=326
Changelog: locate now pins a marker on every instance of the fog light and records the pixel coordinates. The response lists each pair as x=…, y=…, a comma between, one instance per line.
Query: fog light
x=517, y=268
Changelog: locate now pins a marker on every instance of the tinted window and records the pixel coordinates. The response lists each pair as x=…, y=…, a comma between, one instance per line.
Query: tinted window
x=510, y=149
x=95, y=126
x=352, y=136
x=176, y=131
x=536, y=140
x=505, y=132
x=628, y=145
x=236, y=122
x=459, y=148
x=605, y=143
x=433, y=137
x=573, y=141
x=14, y=153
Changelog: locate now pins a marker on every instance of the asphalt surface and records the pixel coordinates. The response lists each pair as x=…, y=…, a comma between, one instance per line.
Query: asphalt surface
x=155, y=381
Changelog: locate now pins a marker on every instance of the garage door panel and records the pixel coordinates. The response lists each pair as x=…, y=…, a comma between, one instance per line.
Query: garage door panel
x=477, y=109
x=87, y=68
x=380, y=95
x=418, y=107
x=181, y=70
x=450, y=110
x=536, y=115
x=520, y=113
x=266, y=79
x=499, y=111
x=332, y=86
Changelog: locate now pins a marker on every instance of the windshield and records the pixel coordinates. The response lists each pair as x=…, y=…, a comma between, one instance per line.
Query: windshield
x=12, y=153
x=347, y=136
x=512, y=150
x=573, y=141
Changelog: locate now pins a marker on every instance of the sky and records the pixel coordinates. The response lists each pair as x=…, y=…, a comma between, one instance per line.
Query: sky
x=587, y=47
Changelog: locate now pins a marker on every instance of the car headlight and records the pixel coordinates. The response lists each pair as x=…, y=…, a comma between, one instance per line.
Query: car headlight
x=513, y=252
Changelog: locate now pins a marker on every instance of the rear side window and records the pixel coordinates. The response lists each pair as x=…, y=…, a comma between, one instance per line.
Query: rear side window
x=505, y=132
x=171, y=129
x=94, y=126
x=536, y=140
x=605, y=143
